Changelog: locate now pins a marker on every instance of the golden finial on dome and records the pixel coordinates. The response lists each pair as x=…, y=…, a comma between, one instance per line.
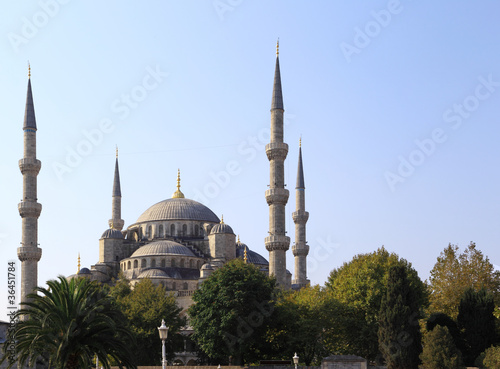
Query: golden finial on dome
x=278, y=47
x=29, y=69
x=112, y=225
x=178, y=194
x=78, y=271
x=222, y=219
x=238, y=238
x=245, y=257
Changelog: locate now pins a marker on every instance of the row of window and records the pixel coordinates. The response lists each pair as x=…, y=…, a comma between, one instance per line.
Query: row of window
x=164, y=231
x=162, y=263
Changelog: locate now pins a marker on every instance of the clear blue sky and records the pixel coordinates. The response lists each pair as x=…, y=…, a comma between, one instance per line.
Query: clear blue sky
x=397, y=103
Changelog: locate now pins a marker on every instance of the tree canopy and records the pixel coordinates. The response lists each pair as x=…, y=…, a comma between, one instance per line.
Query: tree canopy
x=360, y=285
x=232, y=311
x=144, y=307
x=69, y=323
x=453, y=273
x=439, y=350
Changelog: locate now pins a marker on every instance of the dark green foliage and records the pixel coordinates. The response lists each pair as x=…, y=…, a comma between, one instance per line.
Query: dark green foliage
x=399, y=332
x=492, y=358
x=445, y=321
x=476, y=322
x=231, y=313
x=439, y=350
x=69, y=323
x=144, y=307
x=359, y=286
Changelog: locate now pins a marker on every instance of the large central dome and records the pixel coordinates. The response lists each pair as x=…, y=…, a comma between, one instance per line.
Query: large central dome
x=178, y=209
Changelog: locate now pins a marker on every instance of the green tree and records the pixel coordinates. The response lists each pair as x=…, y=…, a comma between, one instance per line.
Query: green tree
x=492, y=357
x=359, y=285
x=69, y=323
x=232, y=312
x=439, y=350
x=399, y=332
x=453, y=273
x=476, y=322
x=144, y=307
x=445, y=321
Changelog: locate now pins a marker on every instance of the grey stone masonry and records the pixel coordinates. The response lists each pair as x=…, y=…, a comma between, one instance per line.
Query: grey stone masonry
x=300, y=249
x=277, y=243
x=29, y=209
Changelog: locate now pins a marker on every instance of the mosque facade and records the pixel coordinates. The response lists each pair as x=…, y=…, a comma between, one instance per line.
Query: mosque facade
x=177, y=242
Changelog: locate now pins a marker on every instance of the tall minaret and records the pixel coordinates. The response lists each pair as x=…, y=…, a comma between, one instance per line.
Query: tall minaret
x=277, y=243
x=29, y=253
x=300, y=216
x=116, y=221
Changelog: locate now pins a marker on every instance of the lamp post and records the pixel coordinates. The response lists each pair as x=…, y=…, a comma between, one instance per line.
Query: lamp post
x=296, y=360
x=163, y=330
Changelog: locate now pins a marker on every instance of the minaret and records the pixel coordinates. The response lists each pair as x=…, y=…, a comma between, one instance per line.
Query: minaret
x=277, y=243
x=29, y=253
x=116, y=221
x=300, y=216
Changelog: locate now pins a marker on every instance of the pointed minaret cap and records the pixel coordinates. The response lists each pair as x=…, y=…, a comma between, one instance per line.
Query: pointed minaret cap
x=116, y=182
x=277, y=102
x=29, y=112
x=300, y=169
x=178, y=194
x=78, y=271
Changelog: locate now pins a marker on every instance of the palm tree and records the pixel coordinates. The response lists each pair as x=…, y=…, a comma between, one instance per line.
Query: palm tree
x=68, y=324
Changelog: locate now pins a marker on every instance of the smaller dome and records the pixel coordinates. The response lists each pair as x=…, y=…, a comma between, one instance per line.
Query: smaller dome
x=112, y=233
x=163, y=248
x=84, y=271
x=207, y=266
x=153, y=273
x=221, y=228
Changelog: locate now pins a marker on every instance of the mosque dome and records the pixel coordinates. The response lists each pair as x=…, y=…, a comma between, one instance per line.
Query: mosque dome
x=178, y=209
x=221, y=228
x=153, y=273
x=163, y=248
x=112, y=233
x=84, y=271
x=252, y=256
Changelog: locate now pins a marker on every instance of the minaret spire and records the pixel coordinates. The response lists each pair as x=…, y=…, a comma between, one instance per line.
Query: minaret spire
x=300, y=217
x=277, y=243
x=116, y=221
x=29, y=253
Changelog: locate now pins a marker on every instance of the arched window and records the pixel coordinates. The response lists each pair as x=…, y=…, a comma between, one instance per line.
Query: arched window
x=185, y=287
x=172, y=230
x=196, y=229
x=143, y=263
x=163, y=263
x=199, y=264
x=182, y=263
x=160, y=231
x=153, y=263
x=173, y=263
x=191, y=263
x=148, y=232
x=128, y=264
x=174, y=286
x=135, y=264
x=184, y=230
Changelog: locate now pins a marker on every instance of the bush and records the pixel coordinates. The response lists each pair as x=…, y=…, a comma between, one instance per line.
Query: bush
x=492, y=357
x=440, y=351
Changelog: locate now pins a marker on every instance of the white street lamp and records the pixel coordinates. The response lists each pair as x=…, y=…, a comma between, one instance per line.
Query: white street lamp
x=296, y=360
x=163, y=330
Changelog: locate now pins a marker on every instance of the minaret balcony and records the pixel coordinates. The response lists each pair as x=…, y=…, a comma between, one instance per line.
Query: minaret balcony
x=277, y=242
x=30, y=165
x=300, y=217
x=300, y=250
x=29, y=209
x=277, y=196
x=29, y=253
x=276, y=150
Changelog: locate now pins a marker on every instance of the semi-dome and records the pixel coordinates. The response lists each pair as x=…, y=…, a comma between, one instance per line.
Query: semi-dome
x=153, y=273
x=112, y=233
x=84, y=271
x=163, y=248
x=178, y=209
